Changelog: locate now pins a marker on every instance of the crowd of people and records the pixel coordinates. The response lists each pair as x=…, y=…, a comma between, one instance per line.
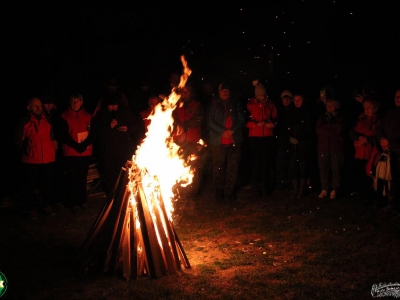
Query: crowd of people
x=287, y=144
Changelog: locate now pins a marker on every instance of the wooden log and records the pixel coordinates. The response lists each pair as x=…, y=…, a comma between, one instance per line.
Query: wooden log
x=126, y=246
x=170, y=234
x=165, y=240
x=153, y=252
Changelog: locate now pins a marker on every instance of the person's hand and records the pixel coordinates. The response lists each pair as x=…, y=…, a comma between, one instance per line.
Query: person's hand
x=359, y=98
x=123, y=128
x=294, y=141
x=80, y=147
x=113, y=123
x=362, y=140
x=384, y=143
x=270, y=125
x=55, y=145
x=227, y=134
x=260, y=123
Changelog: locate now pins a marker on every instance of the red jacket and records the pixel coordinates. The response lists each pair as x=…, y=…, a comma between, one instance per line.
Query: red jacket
x=35, y=137
x=259, y=111
x=189, y=116
x=145, y=114
x=78, y=126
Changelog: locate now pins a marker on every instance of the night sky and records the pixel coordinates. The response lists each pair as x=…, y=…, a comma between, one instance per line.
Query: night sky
x=286, y=44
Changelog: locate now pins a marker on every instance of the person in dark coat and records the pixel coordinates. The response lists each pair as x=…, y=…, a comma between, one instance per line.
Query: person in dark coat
x=226, y=122
x=283, y=143
x=300, y=135
x=116, y=133
x=330, y=148
x=389, y=136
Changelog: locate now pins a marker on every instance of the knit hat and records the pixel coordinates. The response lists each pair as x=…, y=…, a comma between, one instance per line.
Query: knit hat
x=287, y=93
x=223, y=86
x=259, y=90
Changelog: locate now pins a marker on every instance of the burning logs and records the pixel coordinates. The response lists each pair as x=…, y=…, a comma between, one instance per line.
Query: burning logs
x=133, y=233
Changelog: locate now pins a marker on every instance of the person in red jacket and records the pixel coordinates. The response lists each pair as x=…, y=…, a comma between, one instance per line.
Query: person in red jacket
x=263, y=116
x=365, y=140
x=74, y=129
x=188, y=116
x=35, y=141
x=153, y=101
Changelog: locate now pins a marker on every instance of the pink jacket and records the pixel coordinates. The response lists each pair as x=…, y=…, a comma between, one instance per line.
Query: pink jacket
x=259, y=111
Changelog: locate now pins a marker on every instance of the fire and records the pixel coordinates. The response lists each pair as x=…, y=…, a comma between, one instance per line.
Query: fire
x=157, y=157
x=134, y=231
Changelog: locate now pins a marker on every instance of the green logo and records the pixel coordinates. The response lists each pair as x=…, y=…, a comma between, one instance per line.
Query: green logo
x=3, y=284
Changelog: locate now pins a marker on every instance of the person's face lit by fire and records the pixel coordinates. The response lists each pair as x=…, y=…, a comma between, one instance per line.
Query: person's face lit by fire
x=286, y=100
x=174, y=79
x=330, y=106
x=369, y=109
x=298, y=101
x=224, y=94
x=76, y=103
x=186, y=95
x=262, y=98
x=397, y=98
x=153, y=102
x=48, y=106
x=35, y=106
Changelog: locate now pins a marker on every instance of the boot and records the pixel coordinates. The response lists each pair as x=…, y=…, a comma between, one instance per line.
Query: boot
x=302, y=188
x=295, y=184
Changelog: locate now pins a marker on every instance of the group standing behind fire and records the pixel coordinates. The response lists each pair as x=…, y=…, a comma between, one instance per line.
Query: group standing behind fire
x=279, y=136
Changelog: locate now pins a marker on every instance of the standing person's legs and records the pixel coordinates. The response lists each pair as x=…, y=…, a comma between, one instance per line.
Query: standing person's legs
x=82, y=170
x=366, y=190
x=31, y=175
x=268, y=161
x=256, y=153
x=304, y=175
x=218, y=154
x=232, y=170
x=323, y=165
x=74, y=181
x=46, y=188
x=394, y=192
x=281, y=168
x=294, y=174
x=337, y=161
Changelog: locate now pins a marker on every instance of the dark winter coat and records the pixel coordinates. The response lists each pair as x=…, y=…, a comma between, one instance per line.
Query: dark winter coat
x=330, y=131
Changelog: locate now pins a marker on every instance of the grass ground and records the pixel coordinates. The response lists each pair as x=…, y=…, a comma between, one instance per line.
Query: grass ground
x=273, y=248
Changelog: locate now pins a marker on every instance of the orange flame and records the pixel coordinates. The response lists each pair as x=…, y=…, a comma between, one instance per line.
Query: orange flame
x=157, y=157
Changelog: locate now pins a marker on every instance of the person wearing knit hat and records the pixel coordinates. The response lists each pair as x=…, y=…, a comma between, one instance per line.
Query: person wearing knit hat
x=286, y=93
x=263, y=116
x=259, y=90
x=226, y=122
x=283, y=145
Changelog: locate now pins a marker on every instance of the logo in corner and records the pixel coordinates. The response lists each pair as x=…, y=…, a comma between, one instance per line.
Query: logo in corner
x=3, y=284
x=386, y=289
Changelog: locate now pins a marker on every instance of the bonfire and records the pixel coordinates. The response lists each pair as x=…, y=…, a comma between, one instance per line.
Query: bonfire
x=134, y=232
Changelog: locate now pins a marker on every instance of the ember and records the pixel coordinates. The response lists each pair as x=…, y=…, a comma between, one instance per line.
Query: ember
x=134, y=232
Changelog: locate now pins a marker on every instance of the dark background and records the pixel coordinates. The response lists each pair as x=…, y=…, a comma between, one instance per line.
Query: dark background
x=298, y=45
